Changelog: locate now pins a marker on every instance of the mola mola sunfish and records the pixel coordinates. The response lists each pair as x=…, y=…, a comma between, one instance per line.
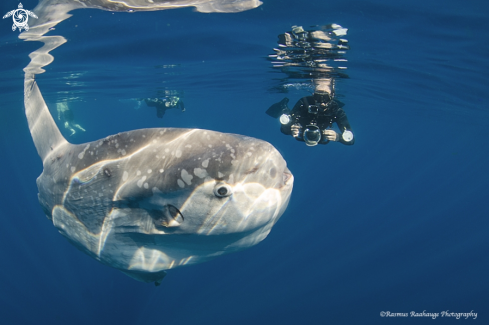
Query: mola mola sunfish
x=150, y=200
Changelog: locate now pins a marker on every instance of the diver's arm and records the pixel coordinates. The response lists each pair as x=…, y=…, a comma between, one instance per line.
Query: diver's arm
x=329, y=135
x=293, y=129
x=285, y=128
x=343, y=125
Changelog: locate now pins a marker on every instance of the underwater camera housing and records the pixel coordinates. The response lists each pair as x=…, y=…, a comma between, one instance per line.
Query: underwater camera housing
x=312, y=135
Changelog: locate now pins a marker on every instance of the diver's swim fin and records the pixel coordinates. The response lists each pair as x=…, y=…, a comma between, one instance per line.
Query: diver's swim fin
x=278, y=109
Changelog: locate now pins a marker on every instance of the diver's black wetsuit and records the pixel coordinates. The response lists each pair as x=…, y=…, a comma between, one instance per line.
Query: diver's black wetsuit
x=324, y=119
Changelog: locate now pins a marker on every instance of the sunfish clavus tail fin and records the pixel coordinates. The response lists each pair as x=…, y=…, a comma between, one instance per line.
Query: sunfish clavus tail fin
x=44, y=130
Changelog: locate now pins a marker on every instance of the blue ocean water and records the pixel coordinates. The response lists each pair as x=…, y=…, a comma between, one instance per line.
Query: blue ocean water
x=398, y=222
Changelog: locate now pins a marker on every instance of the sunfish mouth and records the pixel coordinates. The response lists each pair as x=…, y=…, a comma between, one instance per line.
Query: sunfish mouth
x=287, y=175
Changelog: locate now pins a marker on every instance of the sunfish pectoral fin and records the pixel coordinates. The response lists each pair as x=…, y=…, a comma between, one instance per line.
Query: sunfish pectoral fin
x=168, y=217
x=44, y=130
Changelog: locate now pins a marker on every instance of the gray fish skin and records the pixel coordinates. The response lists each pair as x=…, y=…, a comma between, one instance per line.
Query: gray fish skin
x=145, y=201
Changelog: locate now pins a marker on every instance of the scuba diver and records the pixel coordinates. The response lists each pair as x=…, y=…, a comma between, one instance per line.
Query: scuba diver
x=316, y=59
x=311, y=120
x=66, y=116
x=162, y=104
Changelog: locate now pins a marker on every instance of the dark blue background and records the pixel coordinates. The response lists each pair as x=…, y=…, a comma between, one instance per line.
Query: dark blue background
x=398, y=222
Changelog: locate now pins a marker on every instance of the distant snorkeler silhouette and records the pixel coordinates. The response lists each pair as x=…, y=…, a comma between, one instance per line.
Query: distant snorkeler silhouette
x=65, y=115
x=313, y=54
x=162, y=104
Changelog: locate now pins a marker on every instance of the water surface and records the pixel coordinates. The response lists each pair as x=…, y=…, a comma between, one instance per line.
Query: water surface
x=398, y=222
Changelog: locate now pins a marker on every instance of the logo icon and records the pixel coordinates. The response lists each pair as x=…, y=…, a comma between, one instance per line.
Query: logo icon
x=20, y=17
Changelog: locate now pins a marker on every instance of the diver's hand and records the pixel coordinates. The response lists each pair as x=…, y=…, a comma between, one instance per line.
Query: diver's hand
x=295, y=129
x=331, y=135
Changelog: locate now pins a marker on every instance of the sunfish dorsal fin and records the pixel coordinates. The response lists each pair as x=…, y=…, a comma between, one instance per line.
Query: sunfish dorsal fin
x=44, y=130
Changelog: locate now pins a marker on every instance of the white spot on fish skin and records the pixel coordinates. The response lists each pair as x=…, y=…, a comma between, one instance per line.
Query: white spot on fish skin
x=167, y=150
x=228, y=146
x=117, y=145
x=180, y=183
x=205, y=163
x=154, y=141
x=149, y=171
x=81, y=154
x=73, y=169
x=123, y=152
x=249, y=154
x=188, y=146
x=231, y=179
x=141, y=181
x=67, y=165
x=187, y=178
x=144, y=136
x=162, y=170
x=146, y=186
x=220, y=175
x=138, y=173
x=125, y=175
x=161, y=132
x=210, y=146
x=178, y=154
x=100, y=143
x=199, y=172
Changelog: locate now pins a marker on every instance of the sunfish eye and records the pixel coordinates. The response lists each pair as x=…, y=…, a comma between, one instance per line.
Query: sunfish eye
x=273, y=172
x=222, y=190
